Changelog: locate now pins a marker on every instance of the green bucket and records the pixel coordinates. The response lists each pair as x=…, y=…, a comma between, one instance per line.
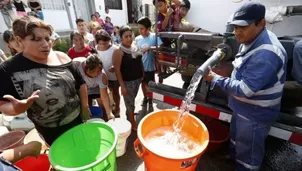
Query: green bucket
x=86, y=147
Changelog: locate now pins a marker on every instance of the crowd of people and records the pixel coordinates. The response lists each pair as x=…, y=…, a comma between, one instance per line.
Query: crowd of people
x=57, y=89
x=6, y=8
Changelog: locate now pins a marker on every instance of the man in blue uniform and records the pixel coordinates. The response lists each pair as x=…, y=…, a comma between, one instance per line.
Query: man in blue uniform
x=255, y=87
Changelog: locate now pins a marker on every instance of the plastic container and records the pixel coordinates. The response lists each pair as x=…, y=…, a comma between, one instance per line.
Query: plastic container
x=96, y=112
x=3, y=130
x=6, y=120
x=1, y=120
x=156, y=162
x=21, y=124
x=219, y=134
x=96, y=120
x=33, y=163
x=11, y=140
x=33, y=135
x=86, y=147
x=123, y=128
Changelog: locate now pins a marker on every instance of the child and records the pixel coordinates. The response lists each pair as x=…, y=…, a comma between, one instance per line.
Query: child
x=179, y=23
x=92, y=71
x=108, y=25
x=165, y=15
x=147, y=42
x=105, y=50
x=116, y=36
x=79, y=49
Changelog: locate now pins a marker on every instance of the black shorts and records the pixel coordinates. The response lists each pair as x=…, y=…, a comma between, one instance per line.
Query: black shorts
x=149, y=76
x=94, y=96
x=113, y=84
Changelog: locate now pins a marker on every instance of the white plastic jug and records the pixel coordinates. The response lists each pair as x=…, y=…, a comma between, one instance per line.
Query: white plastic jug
x=123, y=128
x=21, y=124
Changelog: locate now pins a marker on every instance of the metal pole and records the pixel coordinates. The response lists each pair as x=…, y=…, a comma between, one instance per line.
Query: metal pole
x=68, y=13
x=156, y=21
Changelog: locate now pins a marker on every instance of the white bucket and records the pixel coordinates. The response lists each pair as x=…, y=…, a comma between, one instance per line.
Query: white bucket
x=96, y=120
x=123, y=127
x=22, y=124
x=3, y=130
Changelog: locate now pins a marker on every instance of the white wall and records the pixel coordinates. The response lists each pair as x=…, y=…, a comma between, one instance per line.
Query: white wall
x=57, y=18
x=118, y=17
x=212, y=15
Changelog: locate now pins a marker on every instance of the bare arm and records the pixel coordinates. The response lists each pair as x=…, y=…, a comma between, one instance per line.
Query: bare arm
x=13, y=155
x=28, y=4
x=105, y=96
x=165, y=22
x=84, y=95
x=40, y=5
x=117, y=60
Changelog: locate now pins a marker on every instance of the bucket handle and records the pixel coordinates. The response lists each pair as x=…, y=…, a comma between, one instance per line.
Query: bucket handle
x=139, y=153
x=107, y=165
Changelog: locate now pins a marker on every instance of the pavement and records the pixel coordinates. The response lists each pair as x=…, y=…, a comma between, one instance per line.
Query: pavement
x=280, y=155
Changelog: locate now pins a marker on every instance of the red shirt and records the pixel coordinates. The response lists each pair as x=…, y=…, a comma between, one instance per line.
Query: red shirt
x=73, y=54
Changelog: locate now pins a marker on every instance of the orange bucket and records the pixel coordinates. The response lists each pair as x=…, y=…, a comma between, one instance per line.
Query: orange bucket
x=155, y=162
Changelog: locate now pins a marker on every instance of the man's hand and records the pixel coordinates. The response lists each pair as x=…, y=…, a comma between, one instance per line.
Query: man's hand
x=124, y=91
x=86, y=114
x=209, y=77
x=21, y=106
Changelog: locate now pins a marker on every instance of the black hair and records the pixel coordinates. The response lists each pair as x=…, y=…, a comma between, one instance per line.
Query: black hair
x=79, y=20
x=145, y=21
x=8, y=35
x=92, y=15
x=124, y=29
x=75, y=33
x=92, y=62
x=185, y=4
x=102, y=35
x=164, y=1
x=114, y=31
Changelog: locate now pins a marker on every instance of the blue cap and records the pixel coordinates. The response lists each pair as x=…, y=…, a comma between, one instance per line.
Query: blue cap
x=248, y=13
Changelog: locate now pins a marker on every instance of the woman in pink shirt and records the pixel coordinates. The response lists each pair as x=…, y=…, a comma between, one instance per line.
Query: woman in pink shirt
x=98, y=18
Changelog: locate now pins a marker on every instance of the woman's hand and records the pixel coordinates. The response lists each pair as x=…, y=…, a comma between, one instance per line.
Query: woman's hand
x=21, y=106
x=86, y=114
x=124, y=91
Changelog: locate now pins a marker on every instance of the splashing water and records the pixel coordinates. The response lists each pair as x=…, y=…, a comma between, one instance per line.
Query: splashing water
x=185, y=106
x=163, y=141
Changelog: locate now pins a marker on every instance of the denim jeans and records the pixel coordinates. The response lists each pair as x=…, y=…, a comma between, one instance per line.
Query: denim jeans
x=247, y=142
